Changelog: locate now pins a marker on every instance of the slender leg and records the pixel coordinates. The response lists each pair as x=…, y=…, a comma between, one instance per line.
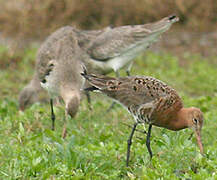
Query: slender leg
x=88, y=99
x=129, y=68
x=117, y=74
x=143, y=132
x=148, y=140
x=52, y=114
x=64, y=132
x=111, y=107
x=129, y=142
x=128, y=72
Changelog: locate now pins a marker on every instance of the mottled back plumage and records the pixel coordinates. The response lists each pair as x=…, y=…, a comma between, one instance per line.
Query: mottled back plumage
x=146, y=98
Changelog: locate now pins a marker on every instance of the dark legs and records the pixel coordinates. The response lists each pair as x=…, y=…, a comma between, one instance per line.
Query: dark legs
x=148, y=140
x=111, y=107
x=53, y=120
x=87, y=93
x=129, y=68
x=128, y=72
x=129, y=142
x=52, y=114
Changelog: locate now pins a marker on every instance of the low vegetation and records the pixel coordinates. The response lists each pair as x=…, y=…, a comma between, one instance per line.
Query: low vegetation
x=95, y=147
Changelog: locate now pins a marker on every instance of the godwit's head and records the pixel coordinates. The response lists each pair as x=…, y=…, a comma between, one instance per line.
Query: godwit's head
x=163, y=24
x=195, y=121
x=72, y=98
x=27, y=97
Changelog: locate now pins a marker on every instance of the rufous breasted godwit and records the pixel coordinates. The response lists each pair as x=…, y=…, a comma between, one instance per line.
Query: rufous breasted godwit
x=150, y=101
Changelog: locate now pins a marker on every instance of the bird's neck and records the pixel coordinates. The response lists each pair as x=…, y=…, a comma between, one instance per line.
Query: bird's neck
x=35, y=83
x=181, y=120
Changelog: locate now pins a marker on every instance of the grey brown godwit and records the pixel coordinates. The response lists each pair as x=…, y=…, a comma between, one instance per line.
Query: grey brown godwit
x=150, y=101
x=58, y=71
x=49, y=51
x=116, y=47
x=61, y=77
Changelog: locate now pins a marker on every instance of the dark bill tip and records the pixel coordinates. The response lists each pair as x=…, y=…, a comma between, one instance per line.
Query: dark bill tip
x=172, y=17
x=93, y=88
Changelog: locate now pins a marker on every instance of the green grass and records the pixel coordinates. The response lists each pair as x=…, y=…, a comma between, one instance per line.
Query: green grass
x=95, y=147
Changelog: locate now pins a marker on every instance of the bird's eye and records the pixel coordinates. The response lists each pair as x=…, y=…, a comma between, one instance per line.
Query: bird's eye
x=195, y=121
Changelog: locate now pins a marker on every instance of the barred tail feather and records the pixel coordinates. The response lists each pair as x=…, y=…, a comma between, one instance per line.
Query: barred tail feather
x=93, y=88
x=97, y=81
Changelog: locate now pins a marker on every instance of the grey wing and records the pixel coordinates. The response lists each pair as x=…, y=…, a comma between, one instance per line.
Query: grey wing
x=49, y=51
x=47, y=60
x=114, y=42
x=87, y=36
x=63, y=62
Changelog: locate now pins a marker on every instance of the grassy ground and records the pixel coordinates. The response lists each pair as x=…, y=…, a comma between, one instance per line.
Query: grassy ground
x=95, y=147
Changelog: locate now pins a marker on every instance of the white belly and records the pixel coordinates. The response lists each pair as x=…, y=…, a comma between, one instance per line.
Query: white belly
x=126, y=57
x=51, y=85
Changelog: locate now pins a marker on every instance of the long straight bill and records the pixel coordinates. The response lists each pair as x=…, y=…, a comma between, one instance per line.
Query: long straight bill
x=199, y=142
